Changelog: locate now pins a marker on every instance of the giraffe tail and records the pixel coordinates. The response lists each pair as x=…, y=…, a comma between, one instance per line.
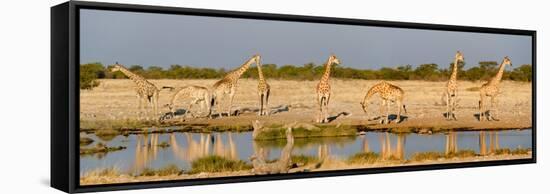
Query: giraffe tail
x=171, y=88
x=405, y=109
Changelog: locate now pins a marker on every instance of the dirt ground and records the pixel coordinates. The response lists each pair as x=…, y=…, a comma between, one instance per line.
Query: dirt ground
x=295, y=101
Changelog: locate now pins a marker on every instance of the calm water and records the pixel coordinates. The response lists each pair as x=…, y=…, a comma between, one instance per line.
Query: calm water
x=186, y=147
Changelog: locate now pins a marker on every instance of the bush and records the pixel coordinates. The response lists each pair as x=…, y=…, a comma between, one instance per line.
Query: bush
x=165, y=171
x=89, y=73
x=364, y=158
x=217, y=164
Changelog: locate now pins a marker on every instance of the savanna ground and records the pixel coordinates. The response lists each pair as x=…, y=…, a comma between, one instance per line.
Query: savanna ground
x=113, y=104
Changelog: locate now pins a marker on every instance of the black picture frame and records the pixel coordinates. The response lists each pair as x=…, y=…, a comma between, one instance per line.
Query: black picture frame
x=65, y=93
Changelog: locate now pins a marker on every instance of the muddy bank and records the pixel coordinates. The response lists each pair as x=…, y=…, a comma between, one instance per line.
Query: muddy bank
x=110, y=177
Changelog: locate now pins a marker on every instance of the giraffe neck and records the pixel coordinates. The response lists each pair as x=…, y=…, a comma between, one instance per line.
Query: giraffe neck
x=455, y=70
x=326, y=75
x=176, y=96
x=260, y=74
x=134, y=77
x=369, y=94
x=235, y=75
x=498, y=76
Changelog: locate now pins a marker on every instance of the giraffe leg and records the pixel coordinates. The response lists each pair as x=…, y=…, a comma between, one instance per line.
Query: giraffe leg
x=150, y=108
x=260, y=96
x=267, y=110
x=156, y=103
x=261, y=111
x=201, y=106
x=195, y=101
x=447, y=102
x=319, y=101
x=322, y=109
x=139, y=102
x=218, y=105
x=494, y=108
x=383, y=114
x=231, y=96
x=388, y=106
x=138, y=98
x=399, y=106
x=454, y=103
x=481, y=109
x=382, y=105
x=325, y=115
x=208, y=102
x=451, y=114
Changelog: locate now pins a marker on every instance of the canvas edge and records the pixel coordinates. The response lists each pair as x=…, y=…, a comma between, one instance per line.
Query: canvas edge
x=64, y=103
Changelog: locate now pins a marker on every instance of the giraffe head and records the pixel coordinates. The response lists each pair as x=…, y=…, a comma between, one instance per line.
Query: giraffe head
x=116, y=67
x=507, y=61
x=459, y=57
x=334, y=59
x=257, y=59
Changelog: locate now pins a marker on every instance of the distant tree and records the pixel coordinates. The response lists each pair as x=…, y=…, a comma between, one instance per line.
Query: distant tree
x=522, y=73
x=89, y=73
x=428, y=72
x=154, y=72
x=311, y=71
x=488, y=69
x=461, y=72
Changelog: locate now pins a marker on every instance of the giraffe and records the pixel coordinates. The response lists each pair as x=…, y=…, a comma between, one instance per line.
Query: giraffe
x=491, y=89
x=452, y=88
x=323, y=90
x=198, y=94
x=263, y=91
x=228, y=85
x=389, y=93
x=145, y=90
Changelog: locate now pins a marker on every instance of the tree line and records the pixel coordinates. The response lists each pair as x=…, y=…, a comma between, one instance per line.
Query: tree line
x=429, y=72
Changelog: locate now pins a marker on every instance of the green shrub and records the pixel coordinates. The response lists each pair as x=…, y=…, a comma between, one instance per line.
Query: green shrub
x=165, y=171
x=217, y=164
x=310, y=71
x=364, y=158
x=422, y=156
x=89, y=73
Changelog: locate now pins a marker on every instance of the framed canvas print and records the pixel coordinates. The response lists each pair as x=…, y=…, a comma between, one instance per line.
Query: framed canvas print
x=149, y=96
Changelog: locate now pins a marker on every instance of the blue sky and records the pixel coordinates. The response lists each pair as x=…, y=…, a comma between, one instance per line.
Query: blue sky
x=147, y=39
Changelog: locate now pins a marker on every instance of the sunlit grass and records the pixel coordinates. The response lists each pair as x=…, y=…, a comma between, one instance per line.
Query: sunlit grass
x=364, y=158
x=217, y=164
x=165, y=171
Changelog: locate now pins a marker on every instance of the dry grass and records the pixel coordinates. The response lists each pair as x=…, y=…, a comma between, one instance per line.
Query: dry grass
x=113, y=104
x=239, y=168
x=364, y=158
x=217, y=164
x=165, y=171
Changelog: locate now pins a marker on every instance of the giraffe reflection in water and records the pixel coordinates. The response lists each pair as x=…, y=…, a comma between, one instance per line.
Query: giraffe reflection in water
x=386, y=151
x=147, y=148
x=146, y=151
x=206, y=146
x=493, y=146
x=451, y=143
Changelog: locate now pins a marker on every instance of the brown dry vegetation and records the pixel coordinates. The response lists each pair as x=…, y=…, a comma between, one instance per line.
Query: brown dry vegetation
x=113, y=175
x=113, y=104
